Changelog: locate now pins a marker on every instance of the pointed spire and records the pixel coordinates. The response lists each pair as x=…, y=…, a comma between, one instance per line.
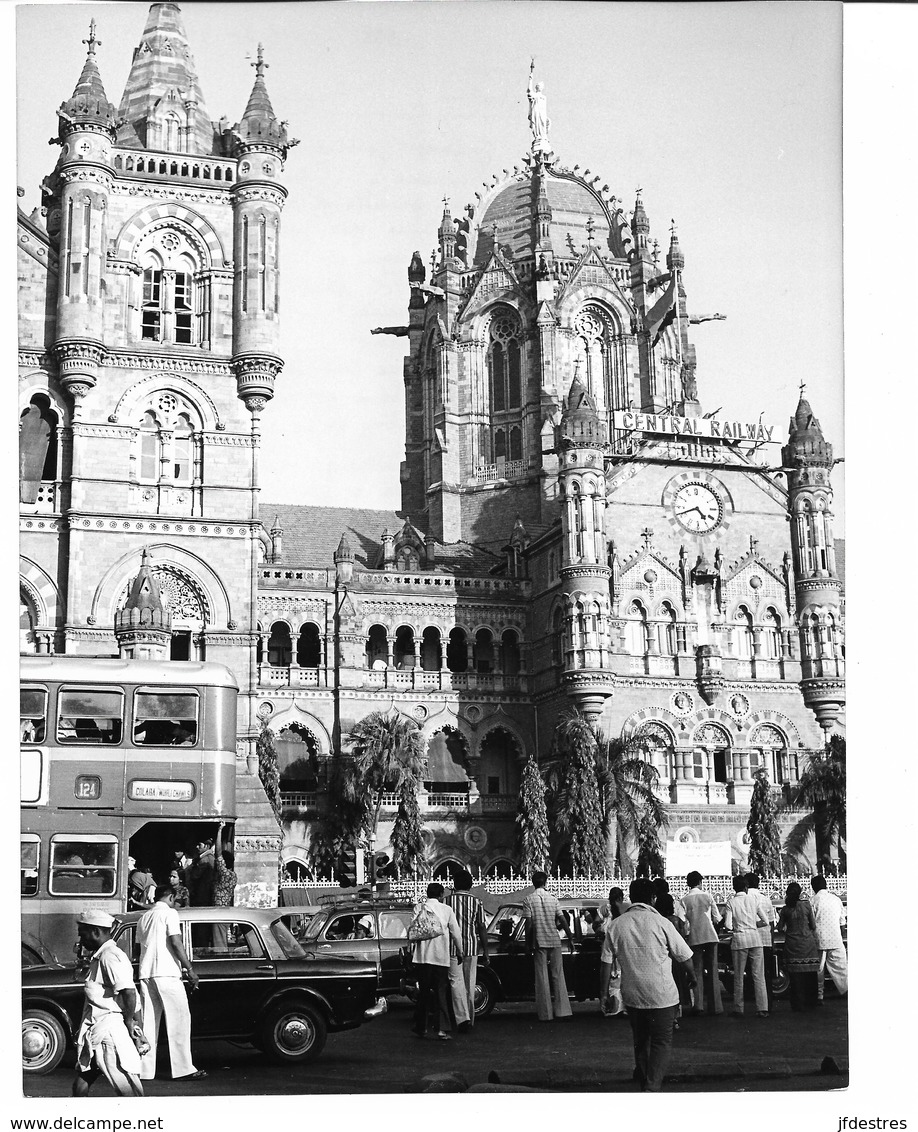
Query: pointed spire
x=580, y=423
x=88, y=105
x=446, y=233
x=163, y=88
x=144, y=605
x=675, y=260
x=806, y=442
x=259, y=125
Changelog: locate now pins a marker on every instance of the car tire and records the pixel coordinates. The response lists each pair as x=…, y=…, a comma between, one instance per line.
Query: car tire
x=780, y=982
x=485, y=995
x=292, y=1033
x=44, y=1042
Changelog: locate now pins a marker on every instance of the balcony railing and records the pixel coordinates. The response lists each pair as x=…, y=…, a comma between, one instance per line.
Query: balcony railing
x=278, y=676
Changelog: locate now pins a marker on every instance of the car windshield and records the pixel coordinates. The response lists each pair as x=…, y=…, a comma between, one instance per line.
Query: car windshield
x=288, y=943
x=505, y=920
x=315, y=925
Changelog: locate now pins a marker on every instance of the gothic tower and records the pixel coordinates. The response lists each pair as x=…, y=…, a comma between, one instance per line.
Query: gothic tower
x=808, y=458
x=585, y=574
x=157, y=255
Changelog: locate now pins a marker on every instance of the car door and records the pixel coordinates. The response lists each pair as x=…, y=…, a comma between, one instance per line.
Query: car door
x=236, y=974
x=393, y=939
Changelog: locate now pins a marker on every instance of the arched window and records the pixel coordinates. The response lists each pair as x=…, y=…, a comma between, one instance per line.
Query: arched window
x=600, y=368
x=768, y=752
x=457, y=651
x=377, y=647
x=28, y=619
x=484, y=651
x=150, y=447
x=716, y=744
x=742, y=634
x=658, y=745
x=516, y=443
x=557, y=637
x=279, y=645
x=666, y=630
x=171, y=132
x=175, y=290
x=403, y=655
x=447, y=759
x=39, y=461
x=501, y=869
x=499, y=768
x=309, y=646
x=430, y=649
x=771, y=636
x=636, y=629
x=183, y=449
x=505, y=386
x=297, y=759
x=509, y=653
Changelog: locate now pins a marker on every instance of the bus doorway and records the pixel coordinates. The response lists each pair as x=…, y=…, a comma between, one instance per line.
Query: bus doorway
x=159, y=847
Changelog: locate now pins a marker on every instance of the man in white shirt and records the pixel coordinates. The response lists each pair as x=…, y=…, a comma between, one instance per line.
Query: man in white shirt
x=830, y=915
x=645, y=945
x=109, y=1026
x=162, y=993
x=432, y=960
x=742, y=918
x=702, y=918
x=766, y=912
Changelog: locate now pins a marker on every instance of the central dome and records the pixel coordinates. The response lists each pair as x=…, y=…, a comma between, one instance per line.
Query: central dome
x=509, y=216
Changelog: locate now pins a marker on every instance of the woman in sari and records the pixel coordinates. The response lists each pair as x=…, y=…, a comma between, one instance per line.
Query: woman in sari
x=801, y=953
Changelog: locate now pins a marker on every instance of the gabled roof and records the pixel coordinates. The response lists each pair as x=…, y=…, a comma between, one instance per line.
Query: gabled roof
x=312, y=535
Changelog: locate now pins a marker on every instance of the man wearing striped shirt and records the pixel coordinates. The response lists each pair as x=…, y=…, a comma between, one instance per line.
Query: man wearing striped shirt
x=463, y=972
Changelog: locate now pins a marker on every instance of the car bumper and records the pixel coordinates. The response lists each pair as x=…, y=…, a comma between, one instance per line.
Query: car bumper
x=376, y=1011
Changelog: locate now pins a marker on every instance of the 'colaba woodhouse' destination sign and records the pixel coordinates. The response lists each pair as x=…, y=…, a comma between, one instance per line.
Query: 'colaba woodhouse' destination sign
x=669, y=425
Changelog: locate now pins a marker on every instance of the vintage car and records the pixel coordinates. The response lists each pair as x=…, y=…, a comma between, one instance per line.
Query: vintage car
x=256, y=985
x=509, y=977
x=374, y=929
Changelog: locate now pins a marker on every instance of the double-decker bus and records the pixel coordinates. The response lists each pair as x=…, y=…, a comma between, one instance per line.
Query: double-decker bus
x=118, y=759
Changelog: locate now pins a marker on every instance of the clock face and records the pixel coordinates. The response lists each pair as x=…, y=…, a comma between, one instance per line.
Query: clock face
x=698, y=508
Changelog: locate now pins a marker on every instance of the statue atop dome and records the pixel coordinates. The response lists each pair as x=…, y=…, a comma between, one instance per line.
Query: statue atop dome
x=539, y=121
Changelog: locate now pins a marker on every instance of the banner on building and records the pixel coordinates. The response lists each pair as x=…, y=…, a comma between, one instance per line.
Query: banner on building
x=710, y=858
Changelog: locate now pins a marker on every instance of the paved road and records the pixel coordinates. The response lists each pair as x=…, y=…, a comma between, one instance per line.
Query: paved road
x=584, y=1053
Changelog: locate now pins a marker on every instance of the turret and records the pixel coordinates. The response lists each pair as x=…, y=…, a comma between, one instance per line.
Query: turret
x=143, y=628
x=261, y=147
x=584, y=567
x=344, y=561
x=808, y=459
x=86, y=129
x=446, y=234
x=640, y=230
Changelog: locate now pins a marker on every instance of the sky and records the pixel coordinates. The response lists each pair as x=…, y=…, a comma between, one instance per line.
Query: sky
x=728, y=116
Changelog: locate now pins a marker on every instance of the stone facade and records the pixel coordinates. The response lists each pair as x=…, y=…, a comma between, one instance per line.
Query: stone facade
x=574, y=529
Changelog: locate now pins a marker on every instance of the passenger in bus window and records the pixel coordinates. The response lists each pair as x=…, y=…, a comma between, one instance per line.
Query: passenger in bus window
x=182, y=899
x=141, y=886
x=224, y=876
x=199, y=876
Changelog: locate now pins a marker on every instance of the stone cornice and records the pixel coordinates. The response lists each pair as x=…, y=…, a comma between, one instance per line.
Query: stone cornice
x=118, y=524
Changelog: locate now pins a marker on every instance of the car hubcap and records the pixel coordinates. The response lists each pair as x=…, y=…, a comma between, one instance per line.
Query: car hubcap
x=296, y=1034
x=36, y=1043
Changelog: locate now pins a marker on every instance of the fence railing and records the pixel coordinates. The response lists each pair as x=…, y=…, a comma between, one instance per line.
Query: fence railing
x=590, y=887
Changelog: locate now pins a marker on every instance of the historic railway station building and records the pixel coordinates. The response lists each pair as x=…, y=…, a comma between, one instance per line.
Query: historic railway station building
x=574, y=527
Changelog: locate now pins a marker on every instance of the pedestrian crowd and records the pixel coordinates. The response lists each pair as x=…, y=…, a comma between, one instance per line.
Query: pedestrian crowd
x=659, y=956
x=119, y=1029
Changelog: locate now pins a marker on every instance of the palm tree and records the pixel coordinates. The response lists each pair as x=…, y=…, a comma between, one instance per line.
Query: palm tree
x=386, y=754
x=632, y=812
x=407, y=845
x=268, y=770
x=821, y=791
x=577, y=803
x=532, y=818
x=762, y=827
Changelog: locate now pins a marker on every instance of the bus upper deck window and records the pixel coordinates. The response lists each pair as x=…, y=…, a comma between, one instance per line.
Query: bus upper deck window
x=90, y=715
x=29, y=847
x=33, y=706
x=166, y=718
x=82, y=865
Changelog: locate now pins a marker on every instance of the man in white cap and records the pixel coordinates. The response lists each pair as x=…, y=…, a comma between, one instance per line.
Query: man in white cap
x=109, y=1027
x=163, y=960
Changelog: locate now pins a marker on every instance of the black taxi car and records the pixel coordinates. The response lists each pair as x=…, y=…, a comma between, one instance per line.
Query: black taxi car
x=256, y=985
x=373, y=929
x=510, y=976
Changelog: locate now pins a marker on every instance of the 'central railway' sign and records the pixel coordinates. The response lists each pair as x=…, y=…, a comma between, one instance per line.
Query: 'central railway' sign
x=694, y=426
